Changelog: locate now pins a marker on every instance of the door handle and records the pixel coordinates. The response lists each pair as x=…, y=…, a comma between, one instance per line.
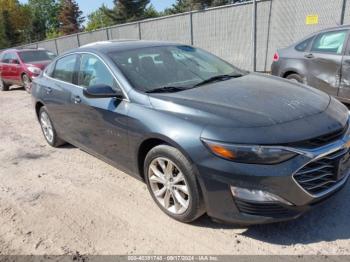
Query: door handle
x=77, y=100
x=48, y=90
x=309, y=56
x=347, y=61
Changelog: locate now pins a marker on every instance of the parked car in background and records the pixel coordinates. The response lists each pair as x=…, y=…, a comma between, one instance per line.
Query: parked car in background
x=321, y=60
x=204, y=135
x=21, y=66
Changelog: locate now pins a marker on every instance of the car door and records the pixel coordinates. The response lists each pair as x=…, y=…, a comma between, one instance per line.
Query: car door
x=14, y=69
x=5, y=73
x=325, y=60
x=56, y=92
x=344, y=90
x=101, y=123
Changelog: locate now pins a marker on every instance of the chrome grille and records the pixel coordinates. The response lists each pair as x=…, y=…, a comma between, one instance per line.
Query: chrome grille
x=322, y=174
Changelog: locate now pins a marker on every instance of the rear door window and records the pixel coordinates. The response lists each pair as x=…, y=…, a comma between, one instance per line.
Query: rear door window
x=304, y=45
x=330, y=42
x=8, y=57
x=65, y=68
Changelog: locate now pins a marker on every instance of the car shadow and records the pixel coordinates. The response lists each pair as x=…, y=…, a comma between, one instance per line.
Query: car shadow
x=327, y=222
x=67, y=146
x=16, y=88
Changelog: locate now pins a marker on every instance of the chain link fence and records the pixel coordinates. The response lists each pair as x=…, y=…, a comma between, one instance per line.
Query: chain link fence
x=245, y=34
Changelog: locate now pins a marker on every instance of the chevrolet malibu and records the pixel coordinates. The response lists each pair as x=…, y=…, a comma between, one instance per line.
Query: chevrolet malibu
x=205, y=136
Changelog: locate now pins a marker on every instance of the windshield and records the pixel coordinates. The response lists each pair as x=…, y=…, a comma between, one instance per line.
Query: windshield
x=34, y=56
x=151, y=68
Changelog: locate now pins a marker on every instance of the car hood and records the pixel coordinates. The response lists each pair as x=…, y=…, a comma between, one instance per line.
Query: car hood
x=239, y=109
x=42, y=64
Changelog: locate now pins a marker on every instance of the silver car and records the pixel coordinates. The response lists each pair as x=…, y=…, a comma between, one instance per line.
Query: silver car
x=321, y=60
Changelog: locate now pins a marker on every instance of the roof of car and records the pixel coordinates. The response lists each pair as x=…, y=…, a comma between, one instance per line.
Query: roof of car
x=336, y=28
x=121, y=45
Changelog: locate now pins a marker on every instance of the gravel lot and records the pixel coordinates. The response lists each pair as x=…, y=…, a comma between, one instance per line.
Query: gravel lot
x=63, y=201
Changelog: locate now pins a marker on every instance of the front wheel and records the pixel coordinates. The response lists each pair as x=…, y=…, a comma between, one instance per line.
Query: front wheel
x=48, y=129
x=27, y=83
x=172, y=183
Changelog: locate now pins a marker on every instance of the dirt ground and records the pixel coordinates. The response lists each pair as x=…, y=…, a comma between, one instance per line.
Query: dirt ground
x=62, y=201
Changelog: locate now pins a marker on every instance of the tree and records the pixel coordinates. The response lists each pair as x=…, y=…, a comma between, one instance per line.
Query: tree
x=98, y=19
x=15, y=20
x=127, y=10
x=70, y=17
x=181, y=6
x=44, y=17
x=4, y=42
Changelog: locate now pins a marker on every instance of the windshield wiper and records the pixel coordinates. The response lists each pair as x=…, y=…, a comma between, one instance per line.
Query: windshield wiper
x=218, y=78
x=167, y=89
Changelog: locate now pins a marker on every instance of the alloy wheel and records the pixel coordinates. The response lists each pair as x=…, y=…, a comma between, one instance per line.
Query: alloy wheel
x=26, y=83
x=46, y=125
x=169, y=186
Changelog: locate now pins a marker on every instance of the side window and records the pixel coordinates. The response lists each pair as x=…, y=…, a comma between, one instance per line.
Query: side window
x=13, y=58
x=329, y=42
x=3, y=58
x=65, y=68
x=6, y=58
x=303, y=45
x=94, y=72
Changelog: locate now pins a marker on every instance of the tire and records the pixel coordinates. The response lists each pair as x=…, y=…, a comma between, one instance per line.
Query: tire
x=181, y=206
x=295, y=78
x=26, y=82
x=3, y=86
x=48, y=129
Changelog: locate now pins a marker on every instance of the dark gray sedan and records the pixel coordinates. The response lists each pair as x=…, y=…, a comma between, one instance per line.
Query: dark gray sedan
x=321, y=60
x=205, y=136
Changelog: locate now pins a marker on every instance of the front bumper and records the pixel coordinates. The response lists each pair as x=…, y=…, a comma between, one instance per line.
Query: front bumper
x=216, y=176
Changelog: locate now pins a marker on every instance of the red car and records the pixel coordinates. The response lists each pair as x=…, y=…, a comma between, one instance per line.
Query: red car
x=21, y=66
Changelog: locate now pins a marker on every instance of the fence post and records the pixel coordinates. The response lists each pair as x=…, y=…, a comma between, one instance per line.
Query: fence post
x=78, y=40
x=191, y=27
x=107, y=32
x=254, y=36
x=139, y=25
x=343, y=12
x=56, y=46
x=268, y=37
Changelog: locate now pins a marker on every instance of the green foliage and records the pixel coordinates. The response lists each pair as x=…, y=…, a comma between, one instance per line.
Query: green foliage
x=4, y=42
x=44, y=17
x=52, y=34
x=130, y=10
x=98, y=19
x=70, y=17
x=181, y=6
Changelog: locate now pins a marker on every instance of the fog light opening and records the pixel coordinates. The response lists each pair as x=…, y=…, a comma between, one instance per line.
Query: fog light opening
x=257, y=196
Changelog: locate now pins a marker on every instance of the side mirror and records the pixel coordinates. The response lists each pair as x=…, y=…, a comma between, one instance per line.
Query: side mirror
x=102, y=91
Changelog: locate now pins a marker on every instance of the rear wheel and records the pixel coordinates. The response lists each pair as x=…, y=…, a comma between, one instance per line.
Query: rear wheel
x=27, y=83
x=295, y=78
x=48, y=129
x=3, y=85
x=172, y=183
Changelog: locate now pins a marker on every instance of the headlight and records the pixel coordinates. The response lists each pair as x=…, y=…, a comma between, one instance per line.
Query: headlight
x=34, y=70
x=250, y=154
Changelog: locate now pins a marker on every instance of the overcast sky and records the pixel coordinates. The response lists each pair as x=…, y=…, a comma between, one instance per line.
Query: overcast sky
x=87, y=6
